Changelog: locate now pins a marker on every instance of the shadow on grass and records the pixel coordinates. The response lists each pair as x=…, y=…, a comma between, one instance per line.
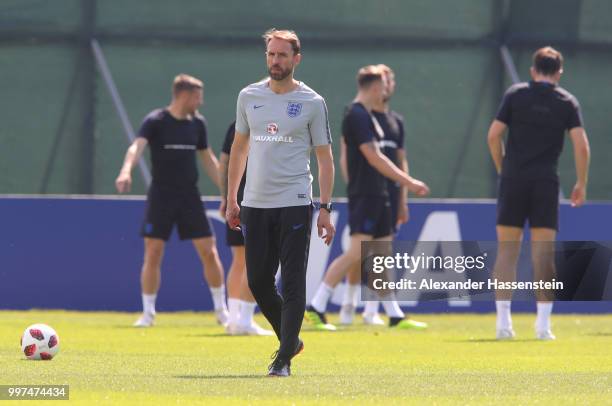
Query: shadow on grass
x=341, y=329
x=156, y=328
x=212, y=377
x=160, y=327
x=493, y=340
x=224, y=335
x=600, y=334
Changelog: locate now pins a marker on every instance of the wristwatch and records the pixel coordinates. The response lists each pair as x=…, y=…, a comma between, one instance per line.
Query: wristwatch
x=326, y=206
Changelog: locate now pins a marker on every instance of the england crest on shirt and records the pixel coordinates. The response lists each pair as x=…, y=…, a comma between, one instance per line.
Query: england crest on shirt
x=294, y=109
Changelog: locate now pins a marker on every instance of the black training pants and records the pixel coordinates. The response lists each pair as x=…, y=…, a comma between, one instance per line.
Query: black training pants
x=273, y=236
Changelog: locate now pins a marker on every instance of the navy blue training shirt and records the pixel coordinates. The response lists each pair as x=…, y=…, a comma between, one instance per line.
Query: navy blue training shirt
x=392, y=125
x=538, y=114
x=357, y=129
x=173, y=145
x=227, y=148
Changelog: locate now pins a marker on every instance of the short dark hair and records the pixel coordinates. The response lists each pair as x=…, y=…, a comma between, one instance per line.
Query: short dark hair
x=185, y=83
x=368, y=75
x=547, y=61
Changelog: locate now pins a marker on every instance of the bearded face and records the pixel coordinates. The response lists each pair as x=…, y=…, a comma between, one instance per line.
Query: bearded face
x=280, y=59
x=277, y=72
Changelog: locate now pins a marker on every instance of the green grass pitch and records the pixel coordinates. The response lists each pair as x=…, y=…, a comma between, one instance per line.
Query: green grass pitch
x=187, y=359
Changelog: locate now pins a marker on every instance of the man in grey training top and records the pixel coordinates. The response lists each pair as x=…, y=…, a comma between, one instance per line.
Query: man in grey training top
x=278, y=122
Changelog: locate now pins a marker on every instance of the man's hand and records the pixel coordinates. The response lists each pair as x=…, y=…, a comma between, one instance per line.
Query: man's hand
x=324, y=223
x=403, y=214
x=232, y=215
x=417, y=187
x=578, y=196
x=123, y=182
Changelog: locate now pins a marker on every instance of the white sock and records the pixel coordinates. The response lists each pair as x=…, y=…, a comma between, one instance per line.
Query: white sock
x=247, y=309
x=351, y=294
x=504, y=319
x=218, y=297
x=320, y=299
x=371, y=307
x=392, y=308
x=233, y=306
x=543, y=317
x=148, y=303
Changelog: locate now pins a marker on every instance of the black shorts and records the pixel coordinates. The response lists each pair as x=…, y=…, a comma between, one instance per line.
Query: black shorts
x=183, y=208
x=370, y=215
x=233, y=238
x=537, y=201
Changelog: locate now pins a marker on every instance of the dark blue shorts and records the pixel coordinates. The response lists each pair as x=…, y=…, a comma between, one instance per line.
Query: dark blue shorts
x=370, y=215
x=233, y=238
x=166, y=208
x=533, y=200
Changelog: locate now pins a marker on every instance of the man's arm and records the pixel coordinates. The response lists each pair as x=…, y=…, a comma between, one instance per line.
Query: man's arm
x=320, y=136
x=582, y=157
x=325, y=161
x=388, y=169
x=133, y=154
x=343, y=161
x=223, y=163
x=496, y=145
x=210, y=164
x=403, y=212
x=237, y=165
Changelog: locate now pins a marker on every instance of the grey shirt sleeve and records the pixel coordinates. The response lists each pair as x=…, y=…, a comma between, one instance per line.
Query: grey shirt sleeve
x=242, y=124
x=319, y=124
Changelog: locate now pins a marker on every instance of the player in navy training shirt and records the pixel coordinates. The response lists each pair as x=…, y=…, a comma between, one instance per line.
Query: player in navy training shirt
x=369, y=208
x=175, y=134
x=392, y=145
x=537, y=115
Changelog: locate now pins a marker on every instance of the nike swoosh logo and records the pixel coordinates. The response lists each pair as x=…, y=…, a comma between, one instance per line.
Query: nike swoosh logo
x=298, y=226
x=255, y=107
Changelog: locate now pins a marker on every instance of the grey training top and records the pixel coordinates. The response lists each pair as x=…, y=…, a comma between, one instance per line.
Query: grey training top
x=282, y=128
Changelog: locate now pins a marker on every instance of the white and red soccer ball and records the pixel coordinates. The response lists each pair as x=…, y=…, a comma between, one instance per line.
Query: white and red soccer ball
x=40, y=341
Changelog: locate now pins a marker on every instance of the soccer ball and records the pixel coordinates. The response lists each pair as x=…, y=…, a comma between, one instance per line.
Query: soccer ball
x=40, y=341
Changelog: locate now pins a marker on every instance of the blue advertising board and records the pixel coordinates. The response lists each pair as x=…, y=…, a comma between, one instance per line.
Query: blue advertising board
x=85, y=253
